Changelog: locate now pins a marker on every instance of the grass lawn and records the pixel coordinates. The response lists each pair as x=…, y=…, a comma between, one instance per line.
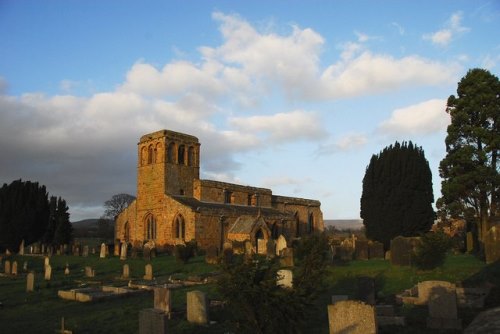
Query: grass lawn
x=41, y=311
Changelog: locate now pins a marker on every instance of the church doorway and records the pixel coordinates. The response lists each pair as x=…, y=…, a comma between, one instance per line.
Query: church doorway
x=260, y=242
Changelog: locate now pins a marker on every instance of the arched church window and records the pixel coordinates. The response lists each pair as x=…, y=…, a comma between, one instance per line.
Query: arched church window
x=150, y=154
x=310, y=223
x=191, y=156
x=150, y=227
x=180, y=227
x=170, y=152
x=180, y=155
x=144, y=155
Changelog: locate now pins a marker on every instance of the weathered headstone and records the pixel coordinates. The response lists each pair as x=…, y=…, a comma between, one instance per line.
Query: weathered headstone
x=25, y=266
x=152, y=321
x=123, y=251
x=425, y=288
x=14, y=268
x=148, y=269
x=470, y=242
x=443, y=307
x=126, y=271
x=48, y=272
x=211, y=255
x=361, y=250
x=102, y=254
x=89, y=272
x=271, y=248
x=46, y=261
x=353, y=317
x=249, y=251
x=492, y=245
x=375, y=250
x=30, y=282
x=7, y=268
x=366, y=290
x=280, y=244
x=402, y=250
x=117, y=250
x=197, y=310
x=286, y=259
x=85, y=251
x=285, y=278
x=388, y=255
x=66, y=270
x=162, y=299
x=21, y=248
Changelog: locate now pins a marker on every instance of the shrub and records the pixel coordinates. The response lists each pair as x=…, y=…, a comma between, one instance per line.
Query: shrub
x=184, y=252
x=431, y=252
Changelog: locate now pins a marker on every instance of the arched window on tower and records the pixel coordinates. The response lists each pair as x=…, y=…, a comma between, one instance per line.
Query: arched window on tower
x=144, y=155
x=180, y=155
x=310, y=223
x=150, y=227
x=170, y=152
x=150, y=154
x=180, y=227
x=191, y=156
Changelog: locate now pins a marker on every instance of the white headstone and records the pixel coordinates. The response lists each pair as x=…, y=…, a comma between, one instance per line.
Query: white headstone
x=30, y=282
x=148, y=272
x=48, y=272
x=197, y=310
x=285, y=278
x=102, y=255
x=123, y=251
x=280, y=244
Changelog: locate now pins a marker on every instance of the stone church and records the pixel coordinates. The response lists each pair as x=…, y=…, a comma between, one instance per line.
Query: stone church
x=174, y=205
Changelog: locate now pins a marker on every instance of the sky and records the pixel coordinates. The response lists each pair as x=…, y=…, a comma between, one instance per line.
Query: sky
x=295, y=96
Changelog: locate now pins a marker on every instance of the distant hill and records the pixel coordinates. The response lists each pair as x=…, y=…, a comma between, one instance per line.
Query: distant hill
x=343, y=224
x=85, y=223
x=89, y=228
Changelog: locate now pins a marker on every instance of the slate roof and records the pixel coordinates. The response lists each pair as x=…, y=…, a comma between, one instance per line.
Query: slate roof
x=244, y=225
x=236, y=210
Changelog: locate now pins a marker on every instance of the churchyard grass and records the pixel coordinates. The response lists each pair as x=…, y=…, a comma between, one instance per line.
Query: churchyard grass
x=42, y=310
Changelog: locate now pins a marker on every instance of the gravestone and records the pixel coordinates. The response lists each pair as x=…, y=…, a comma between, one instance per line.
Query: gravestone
x=93, y=251
x=492, y=245
x=197, y=310
x=66, y=270
x=117, y=250
x=388, y=255
x=102, y=254
x=148, y=269
x=152, y=321
x=375, y=250
x=14, y=268
x=271, y=248
x=46, y=261
x=126, y=271
x=425, y=288
x=85, y=251
x=76, y=250
x=402, y=250
x=211, y=255
x=25, y=266
x=470, y=242
x=286, y=259
x=280, y=244
x=162, y=299
x=89, y=272
x=7, y=268
x=21, y=248
x=353, y=317
x=30, y=282
x=361, y=250
x=366, y=290
x=248, y=249
x=443, y=307
x=123, y=251
x=285, y=278
x=48, y=272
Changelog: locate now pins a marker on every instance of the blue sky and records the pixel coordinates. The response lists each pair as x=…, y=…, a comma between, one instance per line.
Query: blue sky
x=295, y=96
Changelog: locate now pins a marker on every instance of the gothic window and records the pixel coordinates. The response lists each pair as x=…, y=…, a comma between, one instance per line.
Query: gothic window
x=150, y=227
x=126, y=232
x=170, y=152
x=191, y=156
x=157, y=156
x=310, y=223
x=144, y=156
x=180, y=155
x=150, y=154
x=297, y=224
x=180, y=227
x=249, y=199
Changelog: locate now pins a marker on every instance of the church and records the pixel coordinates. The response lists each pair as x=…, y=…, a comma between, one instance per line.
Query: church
x=174, y=205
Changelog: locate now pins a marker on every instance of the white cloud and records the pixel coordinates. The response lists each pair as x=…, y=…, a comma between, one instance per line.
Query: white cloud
x=282, y=127
x=453, y=27
x=277, y=181
x=423, y=118
x=399, y=27
x=346, y=143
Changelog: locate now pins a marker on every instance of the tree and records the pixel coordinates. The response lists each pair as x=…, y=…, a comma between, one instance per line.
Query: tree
x=24, y=213
x=470, y=172
x=397, y=194
x=63, y=233
x=117, y=204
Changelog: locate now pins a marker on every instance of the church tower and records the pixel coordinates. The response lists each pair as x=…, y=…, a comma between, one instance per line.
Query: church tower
x=168, y=162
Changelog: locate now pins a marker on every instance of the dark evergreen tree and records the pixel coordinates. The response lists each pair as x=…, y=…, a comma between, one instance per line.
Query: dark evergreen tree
x=48, y=237
x=64, y=231
x=24, y=213
x=397, y=193
x=470, y=171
